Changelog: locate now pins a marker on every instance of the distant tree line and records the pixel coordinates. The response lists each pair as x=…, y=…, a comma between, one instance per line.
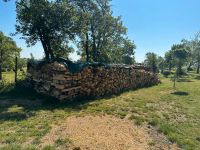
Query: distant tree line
x=182, y=57
x=87, y=24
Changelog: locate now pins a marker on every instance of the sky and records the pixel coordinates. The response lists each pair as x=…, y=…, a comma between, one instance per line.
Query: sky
x=154, y=25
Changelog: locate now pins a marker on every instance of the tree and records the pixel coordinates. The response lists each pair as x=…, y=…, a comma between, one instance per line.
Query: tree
x=180, y=54
x=22, y=63
x=151, y=61
x=161, y=63
x=53, y=23
x=32, y=57
x=169, y=59
x=8, y=52
x=195, y=45
x=193, y=48
x=85, y=8
x=188, y=45
x=62, y=50
x=104, y=37
x=122, y=52
x=90, y=23
x=128, y=52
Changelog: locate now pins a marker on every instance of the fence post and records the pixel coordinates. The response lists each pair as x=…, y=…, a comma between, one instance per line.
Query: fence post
x=16, y=61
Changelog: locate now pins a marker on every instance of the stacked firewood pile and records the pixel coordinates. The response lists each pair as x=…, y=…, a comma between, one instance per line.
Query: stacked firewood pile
x=56, y=80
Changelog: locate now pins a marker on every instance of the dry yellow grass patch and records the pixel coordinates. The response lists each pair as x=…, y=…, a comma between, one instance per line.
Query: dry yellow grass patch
x=103, y=133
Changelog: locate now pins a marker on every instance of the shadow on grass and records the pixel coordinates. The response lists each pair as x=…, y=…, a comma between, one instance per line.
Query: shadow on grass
x=31, y=102
x=17, y=116
x=180, y=93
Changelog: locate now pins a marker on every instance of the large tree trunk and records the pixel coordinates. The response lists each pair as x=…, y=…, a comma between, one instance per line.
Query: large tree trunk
x=1, y=61
x=94, y=44
x=87, y=39
x=44, y=45
x=50, y=50
x=46, y=52
x=87, y=48
x=51, y=54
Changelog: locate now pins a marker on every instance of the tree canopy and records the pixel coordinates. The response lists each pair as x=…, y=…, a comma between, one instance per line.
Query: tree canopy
x=89, y=24
x=105, y=37
x=151, y=61
x=53, y=23
x=8, y=52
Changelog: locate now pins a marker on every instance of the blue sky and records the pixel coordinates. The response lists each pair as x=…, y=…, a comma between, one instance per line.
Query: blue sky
x=154, y=25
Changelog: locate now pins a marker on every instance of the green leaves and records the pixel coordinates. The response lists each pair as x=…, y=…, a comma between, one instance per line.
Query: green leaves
x=88, y=23
x=180, y=52
x=50, y=22
x=151, y=61
x=104, y=39
x=8, y=52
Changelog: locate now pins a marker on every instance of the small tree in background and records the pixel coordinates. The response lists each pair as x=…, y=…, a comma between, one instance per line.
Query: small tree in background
x=161, y=63
x=8, y=52
x=151, y=61
x=180, y=55
x=22, y=63
x=169, y=60
x=195, y=44
x=192, y=47
x=128, y=52
x=188, y=45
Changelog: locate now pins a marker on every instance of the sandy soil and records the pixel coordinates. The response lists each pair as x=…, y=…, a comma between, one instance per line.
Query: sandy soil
x=106, y=133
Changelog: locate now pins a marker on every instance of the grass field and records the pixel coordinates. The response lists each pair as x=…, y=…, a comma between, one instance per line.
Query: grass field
x=26, y=116
x=9, y=77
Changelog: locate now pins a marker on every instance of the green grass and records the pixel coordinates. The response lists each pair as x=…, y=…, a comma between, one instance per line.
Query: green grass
x=26, y=116
x=9, y=77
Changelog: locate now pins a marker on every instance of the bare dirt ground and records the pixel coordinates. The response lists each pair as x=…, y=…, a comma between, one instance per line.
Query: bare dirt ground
x=105, y=133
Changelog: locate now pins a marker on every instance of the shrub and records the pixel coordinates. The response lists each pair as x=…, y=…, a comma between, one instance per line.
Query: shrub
x=183, y=71
x=4, y=70
x=190, y=69
x=166, y=73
